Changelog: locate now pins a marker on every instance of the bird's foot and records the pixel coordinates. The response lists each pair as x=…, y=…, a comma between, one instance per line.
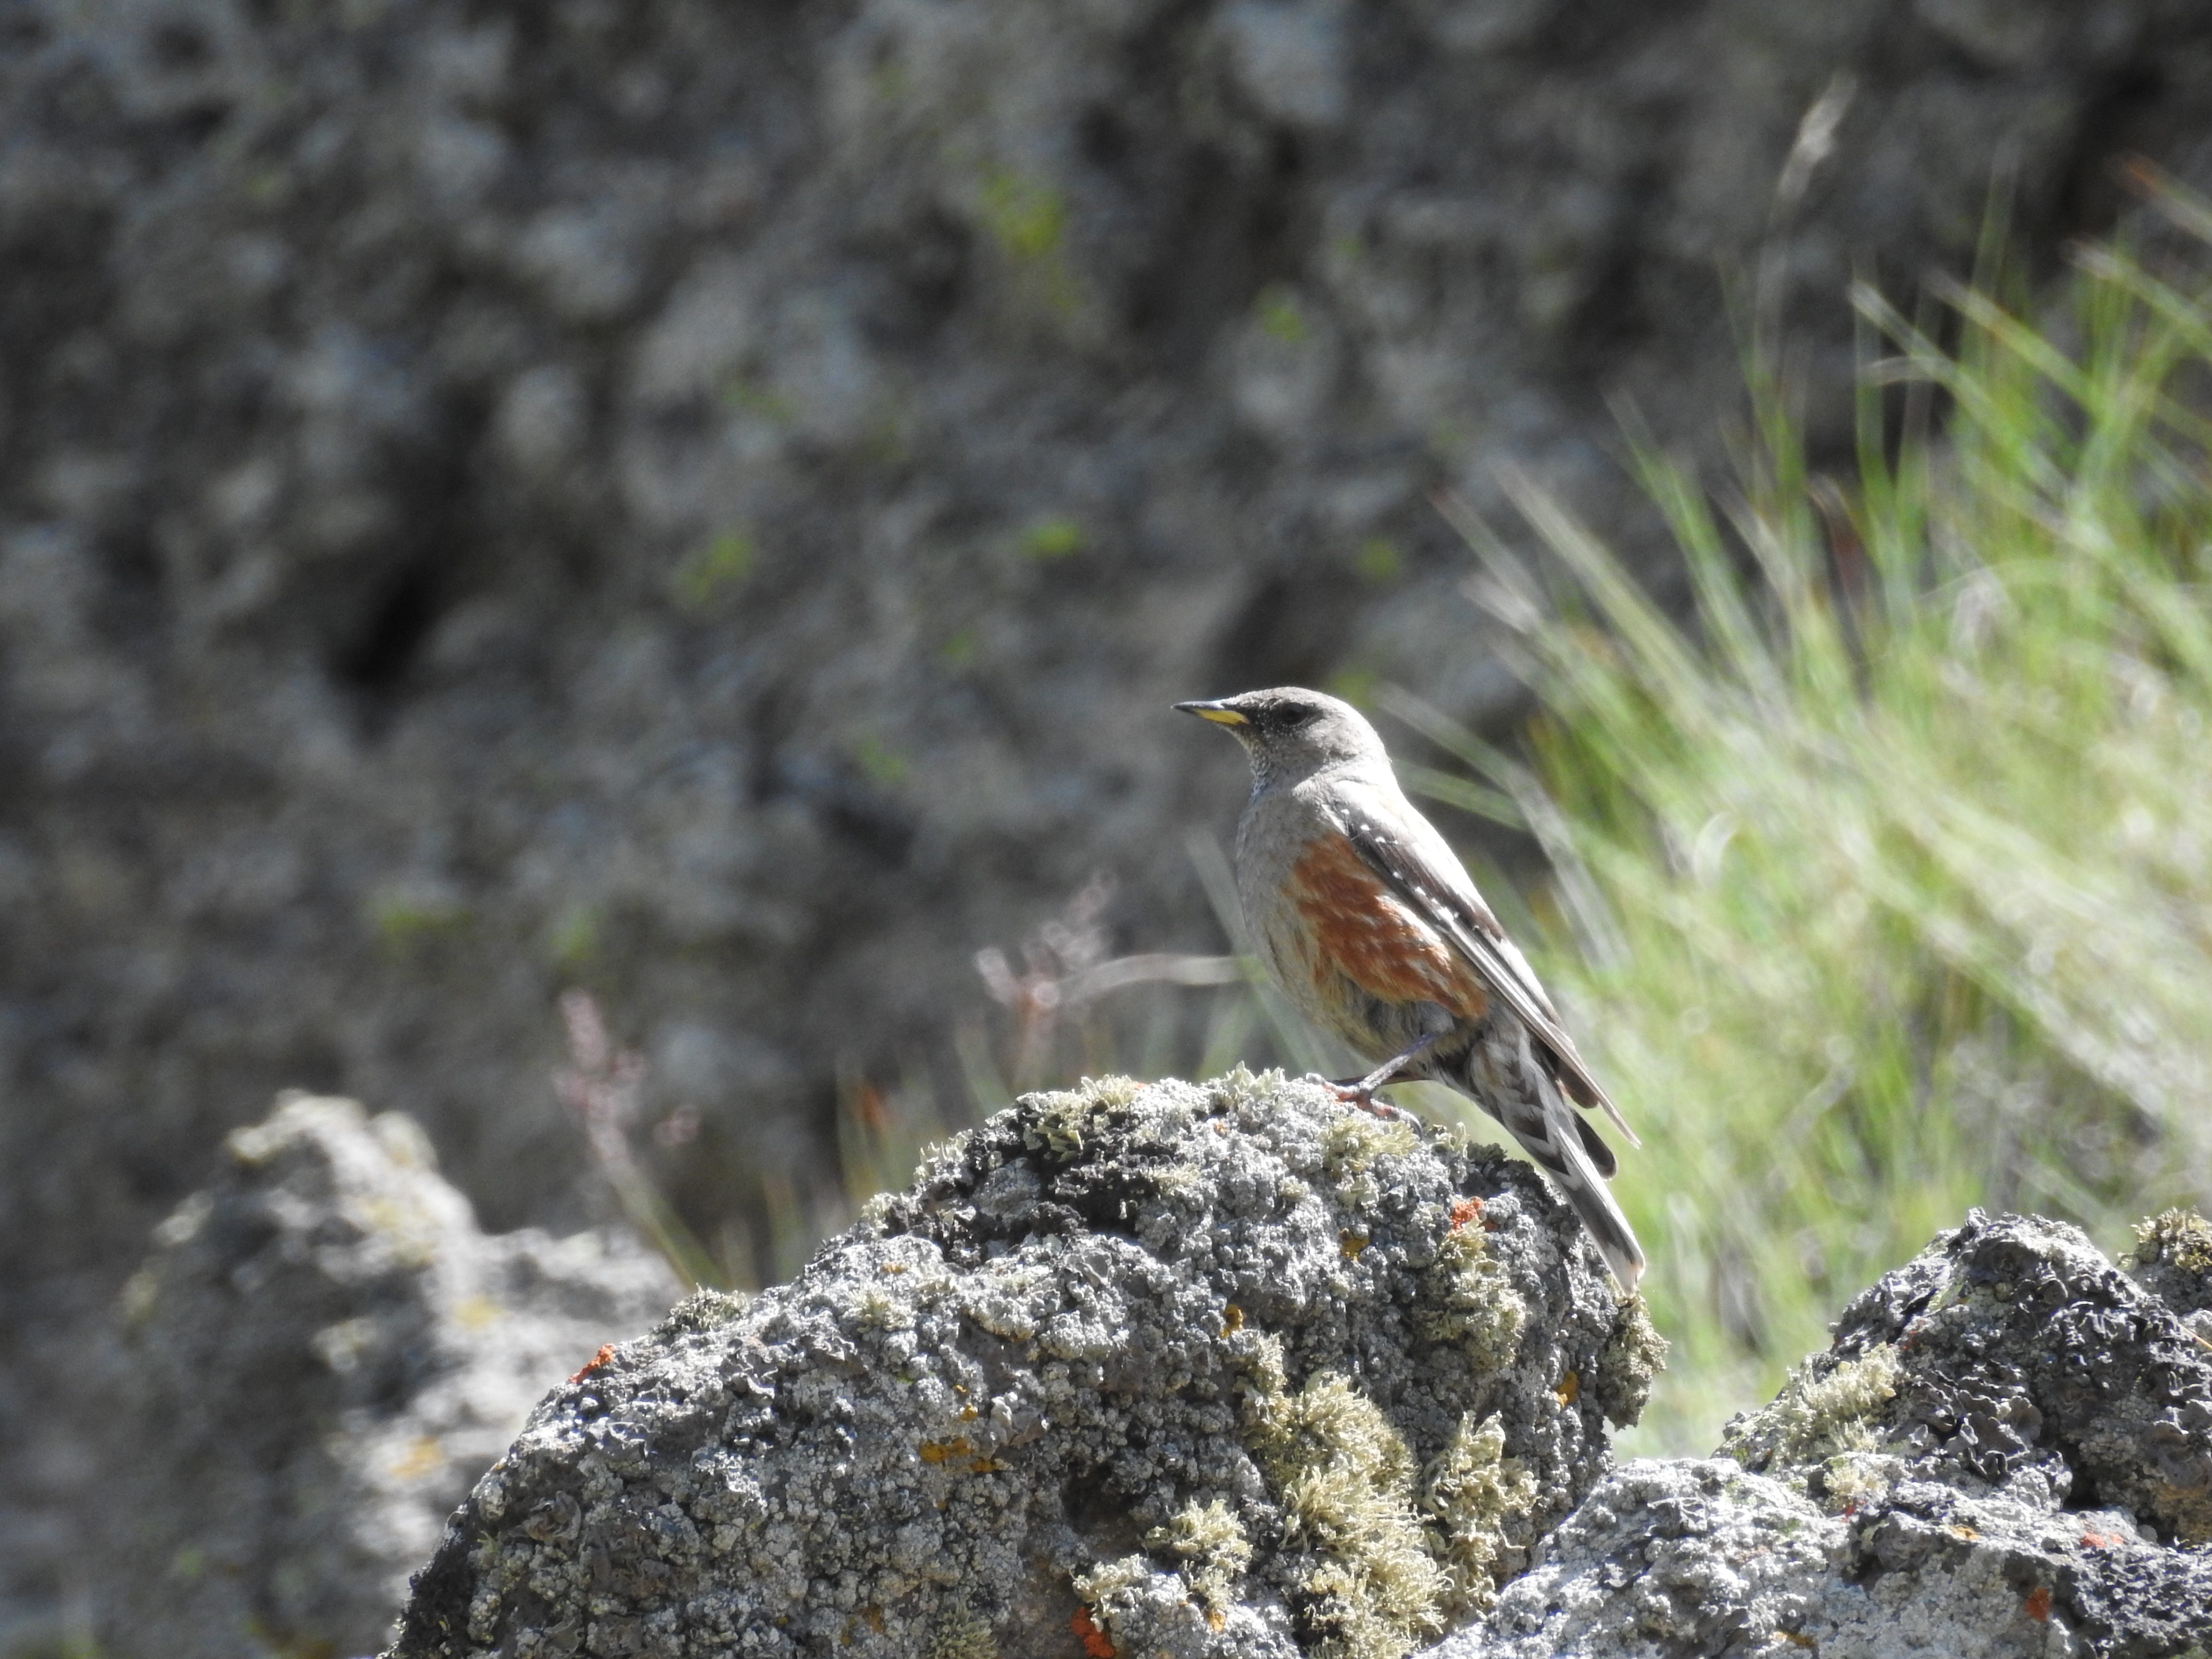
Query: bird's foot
x=1360, y=1091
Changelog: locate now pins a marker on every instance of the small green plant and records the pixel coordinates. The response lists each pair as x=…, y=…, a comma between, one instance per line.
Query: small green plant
x=710, y=572
x=1027, y=216
x=1054, y=538
x=881, y=764
x=1281, y=316
x=1378, y=561
x=405, y=922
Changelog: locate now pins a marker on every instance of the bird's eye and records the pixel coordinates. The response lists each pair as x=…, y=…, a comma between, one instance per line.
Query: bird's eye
x=1293, y=715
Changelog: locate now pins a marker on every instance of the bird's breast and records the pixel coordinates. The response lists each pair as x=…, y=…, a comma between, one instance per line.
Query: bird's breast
x=1364, y=932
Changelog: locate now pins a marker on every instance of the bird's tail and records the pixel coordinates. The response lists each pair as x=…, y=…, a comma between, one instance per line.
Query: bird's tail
x=1592, y=1201
x=1557, y=1141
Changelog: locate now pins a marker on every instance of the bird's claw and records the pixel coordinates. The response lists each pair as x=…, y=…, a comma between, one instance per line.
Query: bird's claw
x=1358, y=1091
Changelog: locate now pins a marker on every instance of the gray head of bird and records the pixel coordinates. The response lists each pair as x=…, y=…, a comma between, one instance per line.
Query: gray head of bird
x=1290, y=733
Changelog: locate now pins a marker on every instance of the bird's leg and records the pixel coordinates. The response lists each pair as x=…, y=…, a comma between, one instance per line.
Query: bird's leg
x=1360, y=1091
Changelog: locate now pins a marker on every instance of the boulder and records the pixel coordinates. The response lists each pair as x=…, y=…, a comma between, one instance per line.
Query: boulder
x=319, y=1357
x=1230, y=1370
x=2005, y=1451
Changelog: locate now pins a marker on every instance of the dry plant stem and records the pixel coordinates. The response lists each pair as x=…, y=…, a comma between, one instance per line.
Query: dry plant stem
x=601, y=1085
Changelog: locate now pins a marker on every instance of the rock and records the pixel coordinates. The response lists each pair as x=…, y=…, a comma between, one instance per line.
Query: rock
x=321, y=1355
x=2008, y=1450
x=1230, y=1370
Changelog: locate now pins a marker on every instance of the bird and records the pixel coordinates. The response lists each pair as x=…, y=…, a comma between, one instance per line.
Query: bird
x=1369, y=923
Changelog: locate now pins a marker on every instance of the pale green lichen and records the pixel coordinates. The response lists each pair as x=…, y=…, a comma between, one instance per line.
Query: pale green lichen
x=1352, y=1142
x=1821, y=1412
x=1063, y=1115
x=1854, y=1478
x=1114, y=1588
x=1467, y=1297
x=1631, y=1357
x=876, y=1212
x=1470, y=1492
x=701, y=1311
x=1349, y=1146
x=2178, y=1238
x=960, y=1632
x=1211, y=1546
x=1345, y=1480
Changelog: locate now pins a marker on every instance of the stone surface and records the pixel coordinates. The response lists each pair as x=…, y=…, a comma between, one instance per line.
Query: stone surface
x=710, y=499
x=1230, y=1370
x=2007, y=1451
x=321, y=1355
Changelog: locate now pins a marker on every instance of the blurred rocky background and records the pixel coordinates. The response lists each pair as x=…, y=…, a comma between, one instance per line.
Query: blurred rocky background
x=709, y=501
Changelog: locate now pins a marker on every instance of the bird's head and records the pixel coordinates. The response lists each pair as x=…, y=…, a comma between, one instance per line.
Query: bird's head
x=1290, y=733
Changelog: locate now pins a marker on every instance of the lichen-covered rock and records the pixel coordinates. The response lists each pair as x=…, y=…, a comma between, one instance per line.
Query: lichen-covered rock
x=2008, y=1450
x=319, y=1357
x=2174, y=1262
x=1673, y=1558
x=1230, y=1370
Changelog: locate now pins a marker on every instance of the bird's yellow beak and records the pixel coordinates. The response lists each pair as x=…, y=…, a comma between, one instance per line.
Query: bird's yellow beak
x=1219, y=714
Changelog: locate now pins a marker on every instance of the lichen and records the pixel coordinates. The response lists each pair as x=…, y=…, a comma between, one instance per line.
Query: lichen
x=1467, y=1297
x=1345, y=1479
x=1471, y=1493
x=1213, y=1550
x=960, y=1632
x=1351, y=1143
x=2173, y=1261
x=2181, y=1238
x=701, y=1312
x=1063, y=1116
x=1115, y=1589
x=1633, y=1355
x=1822, y=1410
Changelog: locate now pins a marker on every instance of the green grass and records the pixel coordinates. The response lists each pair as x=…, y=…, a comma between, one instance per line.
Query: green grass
x=1883, y=885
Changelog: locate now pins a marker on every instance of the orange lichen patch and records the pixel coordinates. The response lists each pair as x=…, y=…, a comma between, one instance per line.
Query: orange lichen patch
x=606, y=1352
x=1796, y=1639
x=938, y=1451
x=2097, y=1540
x=1093, y=1638
x=1465, y=1210
x=1962, y=1532
x=1232, y=1320
x=1570, y=1389
x=1352, y=1244
x=2038, y=1605
x=985, y=1466
x=968, y=1414
x=1367, y=936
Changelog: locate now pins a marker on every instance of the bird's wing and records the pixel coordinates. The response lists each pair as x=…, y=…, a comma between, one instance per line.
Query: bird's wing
x=1420, y=867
